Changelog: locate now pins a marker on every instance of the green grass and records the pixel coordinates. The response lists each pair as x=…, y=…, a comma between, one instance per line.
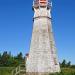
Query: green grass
x=68, y=71
x=64, y=71
x=5, y=70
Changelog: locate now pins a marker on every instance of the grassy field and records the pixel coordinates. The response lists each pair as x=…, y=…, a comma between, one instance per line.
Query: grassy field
x=5, y=70
x=65, y=71
x=68, y=71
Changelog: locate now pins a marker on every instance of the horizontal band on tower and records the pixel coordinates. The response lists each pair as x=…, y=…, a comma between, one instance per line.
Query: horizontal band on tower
x=42, y=17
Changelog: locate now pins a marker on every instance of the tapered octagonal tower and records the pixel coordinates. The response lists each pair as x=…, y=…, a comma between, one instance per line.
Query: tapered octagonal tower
x=42, y=57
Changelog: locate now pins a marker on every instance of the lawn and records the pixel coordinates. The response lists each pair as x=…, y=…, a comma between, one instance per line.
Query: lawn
x=5, y=70
x=65, y=71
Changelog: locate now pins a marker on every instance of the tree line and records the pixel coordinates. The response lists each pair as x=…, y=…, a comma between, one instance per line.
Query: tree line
x=65, y=64
x=7, y=60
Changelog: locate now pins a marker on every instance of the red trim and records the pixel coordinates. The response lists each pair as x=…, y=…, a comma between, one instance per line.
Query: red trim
x=43, y=0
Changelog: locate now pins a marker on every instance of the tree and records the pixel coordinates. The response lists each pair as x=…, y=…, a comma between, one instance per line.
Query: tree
x=69, y=64
x=20, y=56
x=4, y=58
x=0, y=59
x=0, y=56
x=63, y=64
x=10, y=59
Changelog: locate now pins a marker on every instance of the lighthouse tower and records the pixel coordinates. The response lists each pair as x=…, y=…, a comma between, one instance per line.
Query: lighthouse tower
x=42, y=58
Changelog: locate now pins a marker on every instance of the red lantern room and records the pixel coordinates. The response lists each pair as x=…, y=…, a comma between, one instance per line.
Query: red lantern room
x=43, y=2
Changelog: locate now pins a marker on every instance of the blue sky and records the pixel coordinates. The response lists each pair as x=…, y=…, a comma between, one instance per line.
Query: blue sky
x=16, y=27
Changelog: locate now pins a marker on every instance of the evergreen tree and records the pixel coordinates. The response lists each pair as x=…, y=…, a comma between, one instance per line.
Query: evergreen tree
x=63, y=64
x=69, y=64
x=20, y=56
x=0, y=59
x=4, y=58
x=0, y=56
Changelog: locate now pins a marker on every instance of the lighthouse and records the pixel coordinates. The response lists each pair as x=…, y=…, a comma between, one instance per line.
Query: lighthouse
x=42, y=58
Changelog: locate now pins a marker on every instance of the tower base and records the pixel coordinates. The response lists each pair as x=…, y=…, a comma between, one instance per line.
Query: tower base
x=37, y=73
x=40, y=73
